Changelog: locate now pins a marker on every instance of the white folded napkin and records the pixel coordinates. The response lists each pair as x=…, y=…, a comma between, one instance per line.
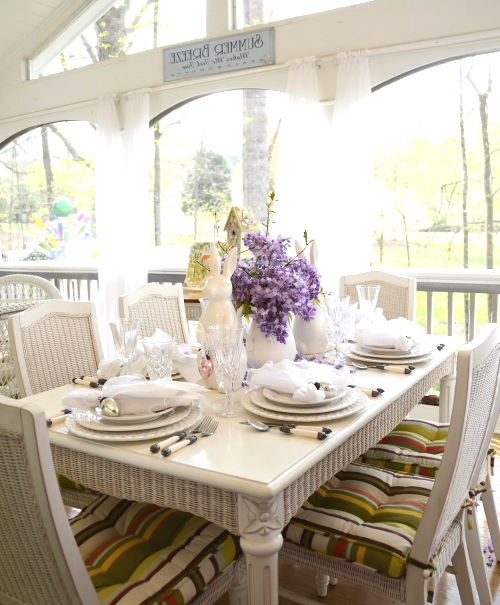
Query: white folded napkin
x=136, y=395
x=297, y=378
x=399, y=334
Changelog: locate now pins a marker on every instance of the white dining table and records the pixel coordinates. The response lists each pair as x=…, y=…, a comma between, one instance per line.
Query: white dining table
x=246, y=481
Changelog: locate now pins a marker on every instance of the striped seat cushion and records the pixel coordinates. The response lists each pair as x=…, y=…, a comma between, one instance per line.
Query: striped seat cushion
x=67, y=484
x=414, y=446
x=363, y=514
x=139, y=553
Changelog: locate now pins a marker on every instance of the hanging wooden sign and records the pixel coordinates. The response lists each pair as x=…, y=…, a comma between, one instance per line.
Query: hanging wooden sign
x=240, y=51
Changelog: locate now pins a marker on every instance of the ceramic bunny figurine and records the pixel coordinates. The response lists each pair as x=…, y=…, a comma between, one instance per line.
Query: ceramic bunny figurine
x=310, y=336
x=219, y=310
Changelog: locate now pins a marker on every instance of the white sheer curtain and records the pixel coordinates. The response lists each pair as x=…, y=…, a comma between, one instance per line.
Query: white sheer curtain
x=324, y=177
x=350, y=191
x=121, y=194
x=300, y=170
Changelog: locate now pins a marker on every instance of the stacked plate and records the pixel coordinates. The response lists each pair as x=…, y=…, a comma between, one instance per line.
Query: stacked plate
x=372, y=354
x=91, y=424
x=281, y=406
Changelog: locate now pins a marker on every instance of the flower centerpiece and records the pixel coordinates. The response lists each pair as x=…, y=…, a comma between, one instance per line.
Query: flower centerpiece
x=271, y=287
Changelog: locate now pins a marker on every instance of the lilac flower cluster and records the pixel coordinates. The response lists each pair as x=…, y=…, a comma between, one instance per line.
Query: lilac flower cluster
x=271, y=286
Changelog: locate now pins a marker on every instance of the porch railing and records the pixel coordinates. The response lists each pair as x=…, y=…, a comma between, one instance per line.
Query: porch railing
x=452, y=302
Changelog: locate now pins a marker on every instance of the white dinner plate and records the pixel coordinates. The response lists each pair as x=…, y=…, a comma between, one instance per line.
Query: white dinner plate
x=89, y=420
x=418, y=351
x=186, y=423
x=259, y=399
x=360, y=403
x=387, y=360
x=288, y=399
x=130, y=418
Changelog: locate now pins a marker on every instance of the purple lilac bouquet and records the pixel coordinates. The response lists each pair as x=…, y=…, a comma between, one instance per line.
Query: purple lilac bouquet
x=271, y=287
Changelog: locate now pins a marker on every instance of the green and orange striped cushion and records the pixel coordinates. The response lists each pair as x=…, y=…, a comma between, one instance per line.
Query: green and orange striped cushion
x=141, y=554
x=67, y=484
x=363, y=514
x=414, y=446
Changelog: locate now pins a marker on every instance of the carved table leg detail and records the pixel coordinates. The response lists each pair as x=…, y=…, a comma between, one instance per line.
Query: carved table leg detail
x=260, y=525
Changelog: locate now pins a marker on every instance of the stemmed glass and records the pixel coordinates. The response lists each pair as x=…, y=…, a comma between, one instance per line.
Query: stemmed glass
x=226, y=345
x=336, y=310
x=125, y=336
x=368, y=296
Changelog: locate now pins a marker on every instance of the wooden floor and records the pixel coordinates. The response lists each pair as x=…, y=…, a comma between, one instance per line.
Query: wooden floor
x=301, y=580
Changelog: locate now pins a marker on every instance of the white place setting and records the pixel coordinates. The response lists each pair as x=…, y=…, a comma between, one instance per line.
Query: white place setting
x=140, y=409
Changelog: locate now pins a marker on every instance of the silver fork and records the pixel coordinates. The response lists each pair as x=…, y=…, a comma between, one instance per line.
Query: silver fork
x=200, y=428
x=166, y=451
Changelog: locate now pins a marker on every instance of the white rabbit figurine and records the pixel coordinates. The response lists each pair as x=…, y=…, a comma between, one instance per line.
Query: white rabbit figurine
x=219, y=310
x=310, y=336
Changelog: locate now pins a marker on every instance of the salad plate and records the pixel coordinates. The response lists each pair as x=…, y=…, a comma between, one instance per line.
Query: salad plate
x=258, y=397
x=95, y=422
x=416, y=351
x=387, y=360
x=288, y=399
x=249, y=405
x=132, y=418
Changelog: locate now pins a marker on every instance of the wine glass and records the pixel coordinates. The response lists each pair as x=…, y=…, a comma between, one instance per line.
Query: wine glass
x=125, y=336
x=226, y=345
x=336, y=310
x=368, y=296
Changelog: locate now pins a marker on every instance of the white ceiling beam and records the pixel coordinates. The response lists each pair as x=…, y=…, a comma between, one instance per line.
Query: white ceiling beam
x=85, y=17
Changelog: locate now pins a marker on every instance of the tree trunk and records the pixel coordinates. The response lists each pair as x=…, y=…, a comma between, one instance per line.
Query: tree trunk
x=255, y=148
x=47, y=166
x=157, y=184
x=487, y=175
x=465, y=189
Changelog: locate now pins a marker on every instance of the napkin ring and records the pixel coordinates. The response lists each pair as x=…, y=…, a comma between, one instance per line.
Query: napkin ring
x=328, y=387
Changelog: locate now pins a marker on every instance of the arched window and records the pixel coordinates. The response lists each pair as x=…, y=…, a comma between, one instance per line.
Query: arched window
x=47, y=193
x=210, y=154
x=437, y=166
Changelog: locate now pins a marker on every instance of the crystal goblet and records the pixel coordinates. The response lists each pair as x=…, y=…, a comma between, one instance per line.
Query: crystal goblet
x=368, y=296
x=226, y=345
x=125, y=336
x=336, y=309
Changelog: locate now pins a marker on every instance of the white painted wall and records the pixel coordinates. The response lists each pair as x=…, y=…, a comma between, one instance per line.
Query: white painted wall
x=402, y=35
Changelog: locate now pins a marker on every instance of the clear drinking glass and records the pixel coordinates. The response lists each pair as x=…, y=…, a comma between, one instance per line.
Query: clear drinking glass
x=337, y=314
x=368, y=296
x=125, y=336
x=226, y=345
x=349, y=325
x=158, y=358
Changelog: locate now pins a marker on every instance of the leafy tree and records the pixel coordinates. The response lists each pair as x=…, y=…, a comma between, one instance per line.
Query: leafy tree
x=207, y=186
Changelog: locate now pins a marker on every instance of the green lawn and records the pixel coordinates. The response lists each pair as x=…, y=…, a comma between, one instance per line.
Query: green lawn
x=433, y=250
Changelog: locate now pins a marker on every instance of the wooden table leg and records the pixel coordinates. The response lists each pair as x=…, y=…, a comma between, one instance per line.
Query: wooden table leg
x=446, y=395
x=260, y=525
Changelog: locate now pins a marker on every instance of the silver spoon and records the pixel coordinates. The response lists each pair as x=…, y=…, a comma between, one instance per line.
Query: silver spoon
x=386, y=367
x=260, y=426
x=109, y=407
x=304, y=431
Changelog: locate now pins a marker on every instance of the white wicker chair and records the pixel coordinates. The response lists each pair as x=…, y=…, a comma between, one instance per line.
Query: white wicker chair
x=17, y=293
x=39, y=559
x=442, y=529
x=52, y=343
x=397, y=293
x=158, y=306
